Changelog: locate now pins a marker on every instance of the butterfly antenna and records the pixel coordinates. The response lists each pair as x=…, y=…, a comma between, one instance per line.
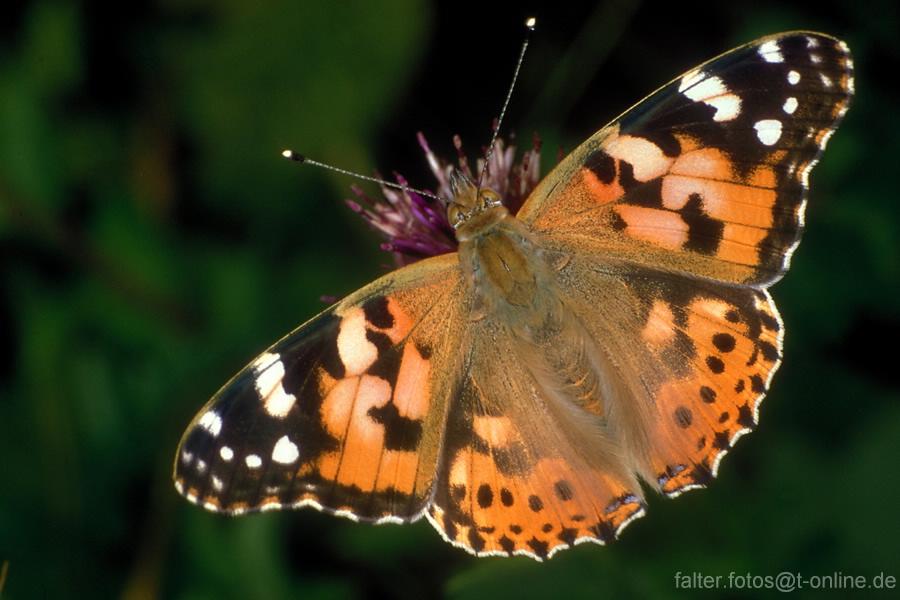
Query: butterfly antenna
x=530, y=23
x=297, y=157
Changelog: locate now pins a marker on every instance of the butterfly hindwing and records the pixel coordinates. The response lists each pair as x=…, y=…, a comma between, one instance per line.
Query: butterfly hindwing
x=708, y=175
x=344, y=414
x=699, y=355
x=709, y=391
x=521, y=473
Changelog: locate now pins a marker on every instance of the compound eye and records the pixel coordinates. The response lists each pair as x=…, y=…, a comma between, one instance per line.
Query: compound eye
x=454, y=214
x=490, y=198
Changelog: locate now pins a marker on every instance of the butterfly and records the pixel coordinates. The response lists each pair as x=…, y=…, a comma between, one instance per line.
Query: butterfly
x=616, y=332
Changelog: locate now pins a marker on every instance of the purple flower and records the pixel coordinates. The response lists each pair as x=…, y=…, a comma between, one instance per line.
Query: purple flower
x=416, y=226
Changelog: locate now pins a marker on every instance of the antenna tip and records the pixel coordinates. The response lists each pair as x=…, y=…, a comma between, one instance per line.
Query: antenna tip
x=530, y=23
x=291, y=155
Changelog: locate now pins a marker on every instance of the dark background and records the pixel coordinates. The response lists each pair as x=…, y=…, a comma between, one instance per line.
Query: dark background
x=152, y=241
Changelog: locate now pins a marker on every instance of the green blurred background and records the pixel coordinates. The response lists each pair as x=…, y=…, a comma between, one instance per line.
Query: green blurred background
x=152, y=241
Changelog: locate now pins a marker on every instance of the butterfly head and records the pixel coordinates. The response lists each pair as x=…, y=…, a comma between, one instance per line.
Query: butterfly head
x=472, y=210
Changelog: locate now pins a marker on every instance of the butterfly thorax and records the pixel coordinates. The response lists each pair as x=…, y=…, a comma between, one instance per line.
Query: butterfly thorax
x=501, y=266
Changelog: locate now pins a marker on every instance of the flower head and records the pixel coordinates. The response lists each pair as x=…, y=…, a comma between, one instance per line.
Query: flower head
x=416, y=226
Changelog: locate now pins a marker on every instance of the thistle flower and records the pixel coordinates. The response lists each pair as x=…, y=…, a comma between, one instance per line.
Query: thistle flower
x=416, y=226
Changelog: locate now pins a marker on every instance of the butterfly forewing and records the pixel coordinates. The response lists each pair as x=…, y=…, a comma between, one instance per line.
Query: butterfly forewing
x=343, y=414
x=709, y=175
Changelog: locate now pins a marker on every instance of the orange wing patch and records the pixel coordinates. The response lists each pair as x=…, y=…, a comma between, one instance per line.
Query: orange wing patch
x=698, y=202
x=699, y=211
x=359, y=409
x=662, y=228
x=375, y=412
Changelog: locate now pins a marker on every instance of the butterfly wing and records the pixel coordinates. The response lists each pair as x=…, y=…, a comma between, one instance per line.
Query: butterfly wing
x=522, y=470
x=708, y=175
x=344, y=414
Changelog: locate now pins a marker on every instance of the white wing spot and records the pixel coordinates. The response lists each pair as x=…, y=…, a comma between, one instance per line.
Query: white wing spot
x=186, y=457
x=727, y=107
x=217, y=483
x=285, y=451
x=793, y=77
x=702, y=88
x=790, y=105
x=812, y=42
x=815, y=58
x=771, y=52
x=253, y=461
x=768, y=131
x=226, y=453
x=269, y=375
x=211, y=422
x=201, y=466
x=713, y=92
x=826, y=80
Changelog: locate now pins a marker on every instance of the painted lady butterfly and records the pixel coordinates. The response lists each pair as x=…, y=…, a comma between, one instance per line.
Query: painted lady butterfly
x=617, y=329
